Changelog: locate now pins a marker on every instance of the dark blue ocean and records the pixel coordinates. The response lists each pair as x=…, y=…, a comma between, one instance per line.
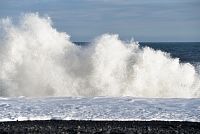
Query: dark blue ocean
x=185, y=51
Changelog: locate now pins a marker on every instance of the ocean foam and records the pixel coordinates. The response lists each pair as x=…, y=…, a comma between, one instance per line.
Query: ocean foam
x=101, y=109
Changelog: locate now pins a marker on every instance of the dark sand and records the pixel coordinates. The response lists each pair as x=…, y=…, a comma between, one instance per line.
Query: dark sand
x=101, y=127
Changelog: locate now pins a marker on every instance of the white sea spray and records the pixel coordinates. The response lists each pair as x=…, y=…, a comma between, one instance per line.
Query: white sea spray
x=37, y=60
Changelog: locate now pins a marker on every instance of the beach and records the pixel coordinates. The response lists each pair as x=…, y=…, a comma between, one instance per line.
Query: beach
x=100, y=127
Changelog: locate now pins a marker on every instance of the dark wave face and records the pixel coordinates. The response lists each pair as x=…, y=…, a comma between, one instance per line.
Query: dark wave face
x=186, y=51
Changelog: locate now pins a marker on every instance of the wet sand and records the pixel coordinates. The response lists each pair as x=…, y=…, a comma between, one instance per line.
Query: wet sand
x=100, y=127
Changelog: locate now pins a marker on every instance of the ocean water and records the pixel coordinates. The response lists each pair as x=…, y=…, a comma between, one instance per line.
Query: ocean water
x=99, y=108
x=185, y=51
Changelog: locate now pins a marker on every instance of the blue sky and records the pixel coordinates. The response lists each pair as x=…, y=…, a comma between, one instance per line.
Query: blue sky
x=145, y=20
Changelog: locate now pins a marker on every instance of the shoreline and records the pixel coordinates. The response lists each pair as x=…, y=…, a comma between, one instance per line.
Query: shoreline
x=89, y=126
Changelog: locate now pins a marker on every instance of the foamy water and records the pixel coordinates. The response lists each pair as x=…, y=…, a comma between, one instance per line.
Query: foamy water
x=37, y=60
x=99, y=108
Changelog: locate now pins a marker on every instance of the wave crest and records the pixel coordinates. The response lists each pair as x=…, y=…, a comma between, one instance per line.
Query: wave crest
x=37, y=60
